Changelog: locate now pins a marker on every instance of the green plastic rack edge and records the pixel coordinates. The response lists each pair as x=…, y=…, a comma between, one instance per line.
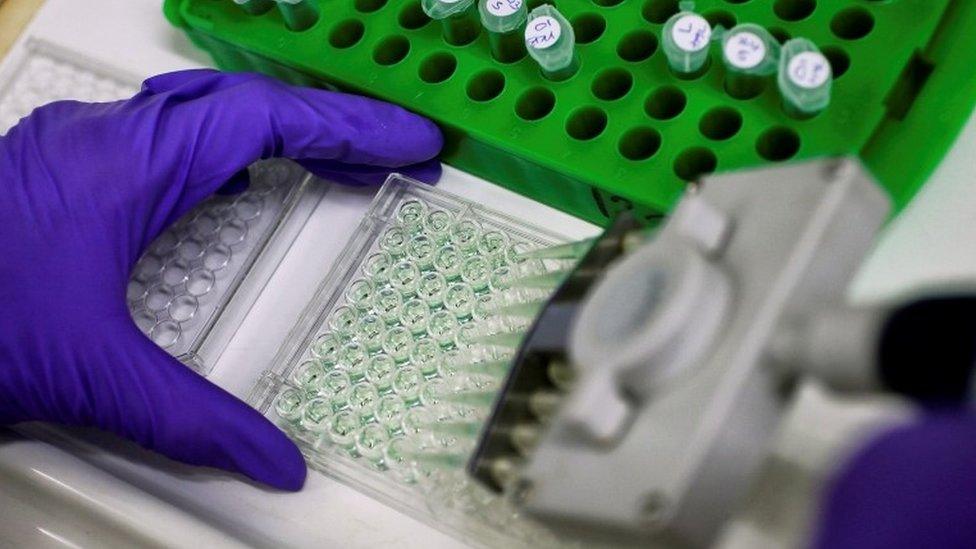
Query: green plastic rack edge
x=624, y=132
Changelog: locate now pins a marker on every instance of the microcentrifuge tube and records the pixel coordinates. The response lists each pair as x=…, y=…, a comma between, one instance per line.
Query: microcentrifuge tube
x=456, y=17
x=750, y=54
x=299, y=15
x=805, y=78
x=686, y=36
x=550, y=40
x=503, y=19
x=255, y=7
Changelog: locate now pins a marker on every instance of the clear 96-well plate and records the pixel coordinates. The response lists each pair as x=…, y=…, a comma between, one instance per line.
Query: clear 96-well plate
x=393, y=367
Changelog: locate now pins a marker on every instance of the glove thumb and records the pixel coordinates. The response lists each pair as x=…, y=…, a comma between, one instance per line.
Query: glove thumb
x=164, y=406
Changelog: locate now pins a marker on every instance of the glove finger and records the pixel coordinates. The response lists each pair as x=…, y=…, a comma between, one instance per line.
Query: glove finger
x=922, y=474
x=359, y=175
x=137, y=391
x=212, y=125
x=165, y=82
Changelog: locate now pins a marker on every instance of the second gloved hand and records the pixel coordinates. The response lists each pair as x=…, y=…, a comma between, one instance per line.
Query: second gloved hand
x=85, y=188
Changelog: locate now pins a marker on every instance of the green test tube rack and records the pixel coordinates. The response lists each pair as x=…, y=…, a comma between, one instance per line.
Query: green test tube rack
x=624, y=132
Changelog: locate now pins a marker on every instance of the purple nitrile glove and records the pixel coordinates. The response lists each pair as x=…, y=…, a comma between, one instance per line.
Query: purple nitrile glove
x=84, y=188
x=914, y=486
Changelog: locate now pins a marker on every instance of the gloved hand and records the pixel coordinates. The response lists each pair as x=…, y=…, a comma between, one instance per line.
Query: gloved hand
x=84, y=188
x=913, y=486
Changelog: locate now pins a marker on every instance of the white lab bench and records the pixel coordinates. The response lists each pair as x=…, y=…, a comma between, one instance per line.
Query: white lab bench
x=90, y=489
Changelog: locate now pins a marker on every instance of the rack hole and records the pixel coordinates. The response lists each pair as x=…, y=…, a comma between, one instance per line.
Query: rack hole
x=637, y=46
x=535, y=104
x=486, y=85
x=412, y=16
x=586, y=123
x=658, y=11
x=720, y=123
x=533, y=4
x=694, y=162
x=607, y=3
x=780, y=34
x=369, y=6
x=852, y=23
x=665, y=103
x=391, y=50
x=437, y=67
x=839, y=60
x=346, y=34
x=588, y=27
x=720, y=17
x=736, y=1
x=612, y=84
x=778, y=143
x=639, y=143
x=794, y=10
